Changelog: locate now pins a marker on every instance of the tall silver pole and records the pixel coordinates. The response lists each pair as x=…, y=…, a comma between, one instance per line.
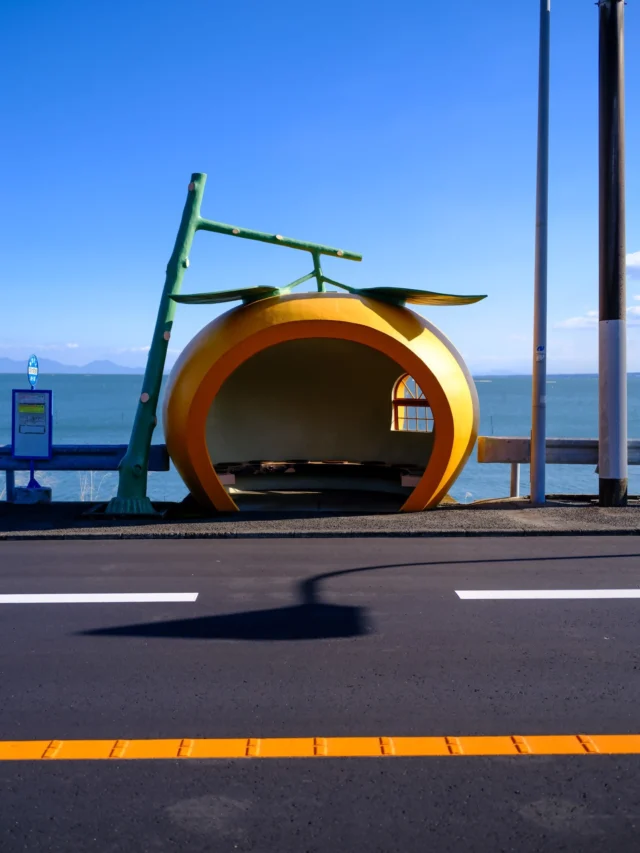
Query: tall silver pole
x=539, y=389
x=612, y=444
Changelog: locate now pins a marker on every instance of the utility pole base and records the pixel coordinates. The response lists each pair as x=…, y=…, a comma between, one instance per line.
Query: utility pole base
x=613, y=492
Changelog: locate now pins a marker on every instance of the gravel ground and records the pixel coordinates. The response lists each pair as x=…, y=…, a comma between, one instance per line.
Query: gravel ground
x=565, y=516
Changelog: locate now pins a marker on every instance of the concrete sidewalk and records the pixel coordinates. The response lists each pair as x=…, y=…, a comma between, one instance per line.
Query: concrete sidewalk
x=562, y=516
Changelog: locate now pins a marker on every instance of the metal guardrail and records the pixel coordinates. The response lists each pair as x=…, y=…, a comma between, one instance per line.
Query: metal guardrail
x=505, y=450
x=516, y=451
x=78, y=457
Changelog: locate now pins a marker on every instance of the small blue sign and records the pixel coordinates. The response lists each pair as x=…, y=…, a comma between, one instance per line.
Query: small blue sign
x=32, y=371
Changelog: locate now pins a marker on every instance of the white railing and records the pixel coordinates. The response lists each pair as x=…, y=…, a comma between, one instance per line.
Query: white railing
x=516, y=451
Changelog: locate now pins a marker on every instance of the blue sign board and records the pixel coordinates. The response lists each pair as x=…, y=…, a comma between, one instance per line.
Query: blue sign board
x=32, y=371
x=31, y=424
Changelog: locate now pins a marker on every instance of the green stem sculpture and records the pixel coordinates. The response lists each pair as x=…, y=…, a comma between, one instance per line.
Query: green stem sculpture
x=133, y=471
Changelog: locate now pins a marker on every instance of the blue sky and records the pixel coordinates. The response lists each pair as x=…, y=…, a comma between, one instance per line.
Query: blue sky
x=403, y=131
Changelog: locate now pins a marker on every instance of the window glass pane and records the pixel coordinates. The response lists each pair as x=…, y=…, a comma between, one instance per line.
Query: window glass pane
x=413, y=418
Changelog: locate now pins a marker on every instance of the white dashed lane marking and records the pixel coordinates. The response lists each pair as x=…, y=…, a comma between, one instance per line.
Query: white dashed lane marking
x=98, y=597
x=516, y=594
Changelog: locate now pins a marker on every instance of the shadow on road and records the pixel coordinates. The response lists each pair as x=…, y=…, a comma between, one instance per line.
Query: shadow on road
x=299, y=622
x=309, y=620
x=312, y=619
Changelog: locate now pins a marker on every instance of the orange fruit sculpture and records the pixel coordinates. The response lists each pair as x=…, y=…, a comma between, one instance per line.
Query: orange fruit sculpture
x=238, y=392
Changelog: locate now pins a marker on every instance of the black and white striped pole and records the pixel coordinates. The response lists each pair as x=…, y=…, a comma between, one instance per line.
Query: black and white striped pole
x=612, y=454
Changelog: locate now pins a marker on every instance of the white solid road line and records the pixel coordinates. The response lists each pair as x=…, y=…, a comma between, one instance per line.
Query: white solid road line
x=511, y=594
x=97, y=597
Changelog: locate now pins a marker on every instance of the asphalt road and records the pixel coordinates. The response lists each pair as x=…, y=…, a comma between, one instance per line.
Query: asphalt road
x=273, y=647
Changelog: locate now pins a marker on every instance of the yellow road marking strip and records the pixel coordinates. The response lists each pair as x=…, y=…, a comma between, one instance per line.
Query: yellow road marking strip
x=84, y=749
x=119, y=749
x=587, y=744
x=221, y=748
x=351, y=747
x=317, y=747
x=387, y=746
x=23, y=750
x=292, y=747
x=613, y=744
x=453, y=745
x=52, y=749
x=521, y=744
x=253, y=747
x=417, y=746
x=186, y=748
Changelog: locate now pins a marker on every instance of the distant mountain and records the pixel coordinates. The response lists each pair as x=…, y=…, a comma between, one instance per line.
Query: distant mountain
x=106, y=366
x=49, y=366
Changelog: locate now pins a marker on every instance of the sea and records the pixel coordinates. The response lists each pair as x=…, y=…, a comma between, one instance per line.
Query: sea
x=90, y=409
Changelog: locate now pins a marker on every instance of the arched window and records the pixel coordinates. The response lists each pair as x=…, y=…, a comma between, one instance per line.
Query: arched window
x=411, y=411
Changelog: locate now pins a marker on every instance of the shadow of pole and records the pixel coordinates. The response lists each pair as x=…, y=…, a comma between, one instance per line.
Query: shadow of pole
x=311, y=619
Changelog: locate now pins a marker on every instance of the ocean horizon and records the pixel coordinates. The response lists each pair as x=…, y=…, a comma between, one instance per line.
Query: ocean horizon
x=99, y=409
x=105, y=367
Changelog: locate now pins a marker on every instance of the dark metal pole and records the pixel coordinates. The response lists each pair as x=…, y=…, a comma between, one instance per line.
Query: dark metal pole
x=612, y=454
x=539, y=372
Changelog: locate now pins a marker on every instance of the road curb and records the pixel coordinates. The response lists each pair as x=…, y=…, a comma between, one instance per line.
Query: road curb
x=311, y=534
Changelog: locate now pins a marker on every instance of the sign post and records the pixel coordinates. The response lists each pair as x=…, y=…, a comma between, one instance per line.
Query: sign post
x=32, y=371
x=31, y=430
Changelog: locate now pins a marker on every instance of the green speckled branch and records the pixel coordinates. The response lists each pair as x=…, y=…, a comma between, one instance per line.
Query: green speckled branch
x=133, y=471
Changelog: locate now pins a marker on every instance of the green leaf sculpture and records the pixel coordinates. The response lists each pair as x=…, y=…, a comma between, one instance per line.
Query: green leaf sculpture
x=394, y=295
x=246, y=294
x=402, y=295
